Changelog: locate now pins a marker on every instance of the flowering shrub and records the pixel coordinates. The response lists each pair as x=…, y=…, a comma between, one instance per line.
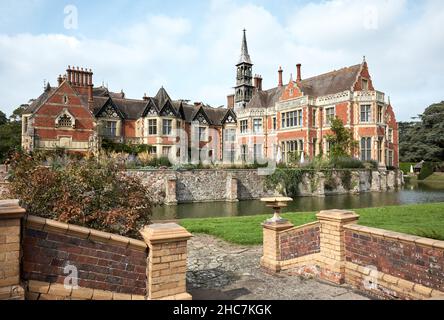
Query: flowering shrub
x=91, y=193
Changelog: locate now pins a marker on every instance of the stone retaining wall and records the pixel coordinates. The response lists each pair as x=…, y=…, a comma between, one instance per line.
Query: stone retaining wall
x=172, y=187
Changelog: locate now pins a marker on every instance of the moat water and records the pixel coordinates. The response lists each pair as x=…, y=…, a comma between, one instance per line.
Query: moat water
x=410, y=193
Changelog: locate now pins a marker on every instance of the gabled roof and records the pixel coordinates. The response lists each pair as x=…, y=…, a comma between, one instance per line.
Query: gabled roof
x=151, y=104
x=266, y=98
x=332, y=82
x=39, y=101
x=229, y=113
x=161, y=97
x=110, y=102
x=328, y=83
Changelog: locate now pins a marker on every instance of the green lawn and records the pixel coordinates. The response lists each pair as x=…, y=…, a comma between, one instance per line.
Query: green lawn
x=420, y=219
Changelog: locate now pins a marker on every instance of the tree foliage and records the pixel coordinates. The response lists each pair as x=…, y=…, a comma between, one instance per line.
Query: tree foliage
x=10, y=132
x=95, y=194
x=423, y=140
x=341, y=141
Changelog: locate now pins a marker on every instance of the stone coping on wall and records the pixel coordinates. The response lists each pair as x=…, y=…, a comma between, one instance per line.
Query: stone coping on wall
x=10, y=209
x=241, y=170
x=397, y=236
x=38, y=290
x=299, y=228
x=399, y=288
x=48, y=225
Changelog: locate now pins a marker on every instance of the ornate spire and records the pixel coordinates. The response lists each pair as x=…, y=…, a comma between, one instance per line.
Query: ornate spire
x=244, y=57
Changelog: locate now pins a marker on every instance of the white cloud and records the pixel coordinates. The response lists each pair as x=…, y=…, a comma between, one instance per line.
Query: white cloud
x=195, y=59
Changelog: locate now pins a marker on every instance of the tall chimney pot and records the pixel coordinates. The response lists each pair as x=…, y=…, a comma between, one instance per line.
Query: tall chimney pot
x=299, y=78
x=280, y=83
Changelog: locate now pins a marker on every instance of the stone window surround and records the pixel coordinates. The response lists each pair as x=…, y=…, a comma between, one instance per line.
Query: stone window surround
x=65, y=113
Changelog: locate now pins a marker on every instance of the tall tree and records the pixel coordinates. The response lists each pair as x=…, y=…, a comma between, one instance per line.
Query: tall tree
x=3, y=118
x=341, y=141
x=17, y=113
x=423, y=140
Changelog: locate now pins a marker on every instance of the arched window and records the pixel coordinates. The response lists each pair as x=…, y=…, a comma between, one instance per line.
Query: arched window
x=64, y=121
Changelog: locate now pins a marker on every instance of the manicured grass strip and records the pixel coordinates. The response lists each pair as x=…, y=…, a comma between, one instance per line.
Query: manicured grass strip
x=420, y=219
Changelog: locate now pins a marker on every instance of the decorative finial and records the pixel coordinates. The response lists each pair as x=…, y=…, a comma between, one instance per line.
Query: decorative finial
x=244, y=57
x=363, y=59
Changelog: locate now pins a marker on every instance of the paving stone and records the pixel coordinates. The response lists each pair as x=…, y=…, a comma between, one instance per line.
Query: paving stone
x=220, y=270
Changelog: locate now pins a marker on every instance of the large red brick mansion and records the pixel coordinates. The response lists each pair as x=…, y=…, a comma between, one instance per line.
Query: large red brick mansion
x=288, y=119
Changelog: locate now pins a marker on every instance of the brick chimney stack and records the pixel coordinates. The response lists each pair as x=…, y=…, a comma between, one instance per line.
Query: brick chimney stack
x=258, y=82
x=81, y=79
x=59, y=80
x=280, y=83
x=230, y=101
x=299, y=78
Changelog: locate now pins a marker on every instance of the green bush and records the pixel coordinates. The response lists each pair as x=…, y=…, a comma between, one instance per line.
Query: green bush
x=286, y=181
x=426, y=170
x=111, y=146
x=90, y=193
x=346, y=163
x=405, y=166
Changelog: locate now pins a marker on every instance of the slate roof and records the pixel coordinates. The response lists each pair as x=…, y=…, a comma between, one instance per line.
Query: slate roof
x=266, y=98
x=133, y=109
x=39, y=101
x=321, y=85
x=331, y=82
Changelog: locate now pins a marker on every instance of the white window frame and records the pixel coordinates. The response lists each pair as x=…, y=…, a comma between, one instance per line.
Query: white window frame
x=366, y=152
x=242, y=128
x=259, y=128
x=328, y=118
x=367, y=113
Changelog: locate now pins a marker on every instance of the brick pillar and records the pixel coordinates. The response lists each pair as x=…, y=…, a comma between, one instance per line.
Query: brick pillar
x=272, y=248
x=167, y=261
x=332, y=247
x=170, y=190
x=232, y=189
x=10, y=225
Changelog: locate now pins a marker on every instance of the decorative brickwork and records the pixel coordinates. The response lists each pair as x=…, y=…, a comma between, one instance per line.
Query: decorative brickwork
x=102, y=263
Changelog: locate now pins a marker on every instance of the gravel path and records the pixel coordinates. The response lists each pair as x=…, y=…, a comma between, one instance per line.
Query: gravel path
x=219, y=270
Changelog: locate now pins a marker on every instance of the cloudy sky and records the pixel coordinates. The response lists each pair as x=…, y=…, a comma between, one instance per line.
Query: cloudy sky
x=190, y=47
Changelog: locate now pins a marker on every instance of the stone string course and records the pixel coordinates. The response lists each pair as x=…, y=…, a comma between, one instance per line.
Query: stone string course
x=171, y=187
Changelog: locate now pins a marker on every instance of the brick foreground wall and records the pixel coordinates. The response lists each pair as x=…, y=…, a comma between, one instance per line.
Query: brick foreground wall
x=297, y=242
x=42, y=259
x=394, y=265
x=385, y=264
x=100, y=265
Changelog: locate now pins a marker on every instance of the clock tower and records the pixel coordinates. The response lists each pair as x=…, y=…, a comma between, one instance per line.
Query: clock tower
x=244, y=76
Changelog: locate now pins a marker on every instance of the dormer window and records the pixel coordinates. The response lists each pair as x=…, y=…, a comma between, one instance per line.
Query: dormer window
x=364, y=84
